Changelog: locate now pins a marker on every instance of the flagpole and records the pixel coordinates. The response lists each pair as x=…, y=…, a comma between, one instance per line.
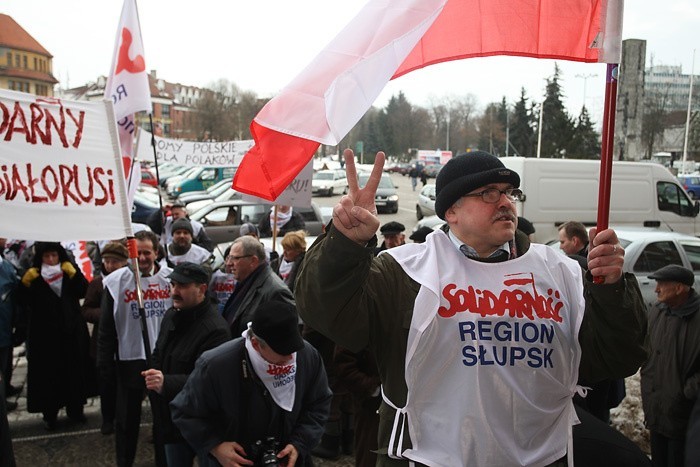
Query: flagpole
x=687, y=118
x=606, y=162
x=274, y=227
x=160, y=198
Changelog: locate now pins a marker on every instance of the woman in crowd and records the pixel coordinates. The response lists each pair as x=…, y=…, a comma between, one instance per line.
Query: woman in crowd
x=57, y=336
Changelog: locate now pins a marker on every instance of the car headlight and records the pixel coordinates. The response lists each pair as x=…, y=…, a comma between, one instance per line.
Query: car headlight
x=393, y=198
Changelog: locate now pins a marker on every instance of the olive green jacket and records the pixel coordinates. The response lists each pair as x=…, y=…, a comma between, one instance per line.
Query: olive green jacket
x=360, y=301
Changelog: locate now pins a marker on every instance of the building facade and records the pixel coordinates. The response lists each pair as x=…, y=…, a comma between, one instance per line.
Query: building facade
x=25, y=65
x=173, y=110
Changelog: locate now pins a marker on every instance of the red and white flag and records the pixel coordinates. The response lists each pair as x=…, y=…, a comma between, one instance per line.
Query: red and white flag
x=388, y=39
x=127, y=85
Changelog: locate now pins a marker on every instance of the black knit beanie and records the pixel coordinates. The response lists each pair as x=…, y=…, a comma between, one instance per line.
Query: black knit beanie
x=467, y=172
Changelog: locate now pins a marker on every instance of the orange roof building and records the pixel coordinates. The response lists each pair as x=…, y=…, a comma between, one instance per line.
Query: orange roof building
x=25, y=65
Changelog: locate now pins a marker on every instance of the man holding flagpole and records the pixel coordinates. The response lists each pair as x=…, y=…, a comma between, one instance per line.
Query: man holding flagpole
x=479, y=336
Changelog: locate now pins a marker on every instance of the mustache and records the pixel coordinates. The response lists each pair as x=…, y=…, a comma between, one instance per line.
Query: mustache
x=176, y=297
x=504, y=213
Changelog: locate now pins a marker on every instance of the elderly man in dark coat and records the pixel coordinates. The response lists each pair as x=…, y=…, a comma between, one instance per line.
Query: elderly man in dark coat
x=671, y=376
x=57, y=336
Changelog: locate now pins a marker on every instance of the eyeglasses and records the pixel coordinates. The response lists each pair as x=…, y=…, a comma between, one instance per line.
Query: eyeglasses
x=493, y=195
x=236, y=258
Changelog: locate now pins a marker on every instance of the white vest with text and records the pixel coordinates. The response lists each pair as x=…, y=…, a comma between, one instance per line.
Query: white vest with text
x=156, y=301
x=492, y=357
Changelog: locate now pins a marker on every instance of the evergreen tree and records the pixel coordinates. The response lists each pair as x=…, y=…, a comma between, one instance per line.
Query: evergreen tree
x=522, y=134
x=585, y=143
x=557, y=127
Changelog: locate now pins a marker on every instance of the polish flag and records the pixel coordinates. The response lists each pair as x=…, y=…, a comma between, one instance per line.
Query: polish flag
x=388, y=39
x=128, y=88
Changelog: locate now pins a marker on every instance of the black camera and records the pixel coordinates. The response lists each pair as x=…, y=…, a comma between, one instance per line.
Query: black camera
x=264, y=453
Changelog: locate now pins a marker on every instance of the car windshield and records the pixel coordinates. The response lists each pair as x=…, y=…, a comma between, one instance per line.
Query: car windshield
x=384, y=182
x=323, y=176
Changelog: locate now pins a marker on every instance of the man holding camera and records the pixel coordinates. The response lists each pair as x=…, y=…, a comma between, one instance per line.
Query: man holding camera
x=260, y=396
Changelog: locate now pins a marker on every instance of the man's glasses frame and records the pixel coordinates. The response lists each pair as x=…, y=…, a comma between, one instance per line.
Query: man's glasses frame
x=493, y=195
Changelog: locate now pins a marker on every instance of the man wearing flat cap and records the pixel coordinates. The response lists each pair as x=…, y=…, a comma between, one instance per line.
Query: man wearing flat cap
x=393, y=236
x=190, y=327
x=265, y=390
x=671, y=376
x=479, y=336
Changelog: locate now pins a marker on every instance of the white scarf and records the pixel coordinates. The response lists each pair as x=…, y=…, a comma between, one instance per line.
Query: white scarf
x=282, y=218
x=285, y=268
x=53, y=276
x=280, y=380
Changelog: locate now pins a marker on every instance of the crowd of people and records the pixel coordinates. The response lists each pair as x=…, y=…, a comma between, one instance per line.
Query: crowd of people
x=472, y=345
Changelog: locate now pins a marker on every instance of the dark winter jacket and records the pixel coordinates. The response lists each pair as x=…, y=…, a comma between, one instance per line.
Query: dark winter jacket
x=224, y=401
x=59, y=371
x=184, y=335
x=671, y=376
x=260, y=287
x=91, y=311
x=361, y=302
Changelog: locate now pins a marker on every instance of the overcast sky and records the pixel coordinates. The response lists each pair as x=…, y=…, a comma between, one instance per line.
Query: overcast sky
x=261, y=45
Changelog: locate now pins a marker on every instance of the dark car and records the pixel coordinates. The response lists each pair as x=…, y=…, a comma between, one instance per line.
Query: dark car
x=142, y=209
x=387, y=197
x=400, y=168
x=222, y=219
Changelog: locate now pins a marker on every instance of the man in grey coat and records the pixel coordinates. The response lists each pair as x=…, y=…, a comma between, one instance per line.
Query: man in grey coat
x=671, y=376
x=256, y=284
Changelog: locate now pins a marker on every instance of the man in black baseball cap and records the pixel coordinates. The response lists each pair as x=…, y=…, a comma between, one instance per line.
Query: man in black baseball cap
x=191, y=326
x=670, y=379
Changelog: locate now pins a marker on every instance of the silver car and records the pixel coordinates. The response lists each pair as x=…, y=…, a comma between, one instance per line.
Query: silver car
x=647, y=250
x=426, y=202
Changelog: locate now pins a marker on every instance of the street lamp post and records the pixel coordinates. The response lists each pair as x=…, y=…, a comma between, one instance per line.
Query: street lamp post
x=447, y=136
x=585, y=77
x=539, y=131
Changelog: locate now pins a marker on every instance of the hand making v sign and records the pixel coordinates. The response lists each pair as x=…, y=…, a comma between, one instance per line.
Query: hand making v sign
x=355, y=216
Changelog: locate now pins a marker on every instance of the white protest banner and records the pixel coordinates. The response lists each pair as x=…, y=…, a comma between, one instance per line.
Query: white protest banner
x=61, y=176
x=192, y=153
x=297, y=193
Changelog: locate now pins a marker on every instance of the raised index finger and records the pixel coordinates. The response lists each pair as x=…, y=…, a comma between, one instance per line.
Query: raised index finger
x=350, y=170
x=376, y=175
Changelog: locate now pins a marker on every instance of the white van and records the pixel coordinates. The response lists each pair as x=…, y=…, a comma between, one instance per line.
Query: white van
x=643, y=195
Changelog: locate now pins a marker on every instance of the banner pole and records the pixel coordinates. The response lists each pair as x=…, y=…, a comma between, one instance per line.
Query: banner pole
x=606, y=162
x=274, y=227
x=160, y=198
x=134, y=255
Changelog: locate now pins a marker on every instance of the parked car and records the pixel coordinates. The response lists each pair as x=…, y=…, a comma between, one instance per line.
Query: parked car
x=148, y=177
x=328, y=182
x=210, y=193
x=433, y=222
x=432, y=170
x=691, y=183
x=200, y=179
x=648, y=249
x=401, y=168
x=426, y=202
x=142, y=208
x=387, y=197
x=225, y=195
x=222, y=219
x=176, y=171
